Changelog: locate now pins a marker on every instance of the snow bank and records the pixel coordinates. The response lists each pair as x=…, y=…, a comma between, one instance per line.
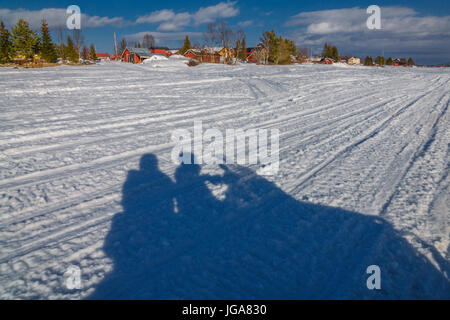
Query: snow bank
x=160, y=61
x=156, y=57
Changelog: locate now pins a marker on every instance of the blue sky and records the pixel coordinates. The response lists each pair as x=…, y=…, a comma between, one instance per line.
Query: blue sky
x=420, y=29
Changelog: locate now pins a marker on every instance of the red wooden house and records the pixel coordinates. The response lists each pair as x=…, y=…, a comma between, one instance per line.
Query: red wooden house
x=135, y=55
x=103, y=56
x=251, y=57
x=193, y=54
x=161, y=50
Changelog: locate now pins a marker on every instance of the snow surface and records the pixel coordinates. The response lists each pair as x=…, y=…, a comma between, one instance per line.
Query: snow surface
x=86, y=179
x=155, y=57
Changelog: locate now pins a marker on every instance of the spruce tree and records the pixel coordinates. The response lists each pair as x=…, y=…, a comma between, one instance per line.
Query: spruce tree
x=368, y=61
x=6, y=45
x=334, y=54
x=331, y=52
x=25, y=40
x=410, y=62
x=326, y=52
x=62, y=51
x=48, y=51
x=284, y=52
x=71, y=52
x=186, y=45
x=271, y=42
x=380, y=61
x=389, y=61
x=243, y=54
x=92, y=52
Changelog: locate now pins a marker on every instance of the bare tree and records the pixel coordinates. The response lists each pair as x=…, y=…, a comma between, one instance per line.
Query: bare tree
x=122, y=45
x=148, y=41
x=225, y=34
x=60, y=36
x=210, y=36
x=240, y=35
x=85, y=53
x=60, y=33
x=78, y=40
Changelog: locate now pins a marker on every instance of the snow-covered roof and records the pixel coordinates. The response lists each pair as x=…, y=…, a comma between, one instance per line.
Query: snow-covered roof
x=142, y=52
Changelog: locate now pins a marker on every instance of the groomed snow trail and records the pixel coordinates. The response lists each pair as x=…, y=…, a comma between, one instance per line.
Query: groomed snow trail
x=358, y=146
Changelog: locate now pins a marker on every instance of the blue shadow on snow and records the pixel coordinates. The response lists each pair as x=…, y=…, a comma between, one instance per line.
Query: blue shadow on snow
x=176, y=240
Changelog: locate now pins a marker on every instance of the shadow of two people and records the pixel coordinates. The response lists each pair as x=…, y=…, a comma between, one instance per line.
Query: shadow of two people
x=176, y=240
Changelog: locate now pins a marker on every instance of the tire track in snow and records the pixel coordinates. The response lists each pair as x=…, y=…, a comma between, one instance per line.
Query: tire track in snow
x=366, y=136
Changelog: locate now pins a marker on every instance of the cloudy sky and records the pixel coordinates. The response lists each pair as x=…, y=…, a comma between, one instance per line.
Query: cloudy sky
x=420, y=29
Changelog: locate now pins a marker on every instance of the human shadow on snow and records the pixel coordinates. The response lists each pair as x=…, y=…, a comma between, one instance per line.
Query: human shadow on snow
x=176, y=240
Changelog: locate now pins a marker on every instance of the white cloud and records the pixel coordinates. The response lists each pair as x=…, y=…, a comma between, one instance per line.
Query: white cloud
x=245, y=23
x=168, y=20
x=161, y=37
x=157, y=16
x=211, y=13
x=55, y=17
x=403, y=31
x=176, y=23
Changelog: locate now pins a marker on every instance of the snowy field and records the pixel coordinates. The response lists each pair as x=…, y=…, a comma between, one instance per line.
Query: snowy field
x=363, y=180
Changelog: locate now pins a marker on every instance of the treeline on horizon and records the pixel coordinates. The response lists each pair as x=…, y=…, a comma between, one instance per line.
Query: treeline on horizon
x=25, y=44
x=381, y=61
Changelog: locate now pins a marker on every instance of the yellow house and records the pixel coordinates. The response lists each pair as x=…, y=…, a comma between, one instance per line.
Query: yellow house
x=354, y=60
x=19, y=57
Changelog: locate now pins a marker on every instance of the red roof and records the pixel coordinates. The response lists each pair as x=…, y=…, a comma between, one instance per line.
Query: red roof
x=103, y=55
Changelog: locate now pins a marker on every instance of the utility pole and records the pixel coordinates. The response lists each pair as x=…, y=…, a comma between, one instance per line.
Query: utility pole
x=115, y=45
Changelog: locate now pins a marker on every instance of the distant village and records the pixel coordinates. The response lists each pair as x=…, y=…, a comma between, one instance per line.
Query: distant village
x=24, y=47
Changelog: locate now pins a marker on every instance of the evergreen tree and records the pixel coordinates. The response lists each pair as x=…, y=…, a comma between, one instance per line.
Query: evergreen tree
x=48, y=51
x=37, y=47
x=243, y=54
x=186, y=45
x=389, y=61
x=410, y=62
x=237, y=50
x=290, y=45
x=62, y=51
x=71, y=52
x=6, y=45
x=92, y=52
x=284, y=52
x=330, y=52
x=25, y=40
x=334, y=53
x=380, y=61
x=279, y=50
x=368, y=61
x=326, y=50
x=272, y=43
